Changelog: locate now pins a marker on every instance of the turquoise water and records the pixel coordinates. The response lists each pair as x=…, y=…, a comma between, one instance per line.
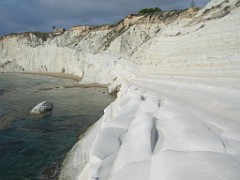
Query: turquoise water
x=33, y=147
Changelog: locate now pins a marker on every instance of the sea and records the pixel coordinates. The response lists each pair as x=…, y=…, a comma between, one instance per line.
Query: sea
x=33, y=146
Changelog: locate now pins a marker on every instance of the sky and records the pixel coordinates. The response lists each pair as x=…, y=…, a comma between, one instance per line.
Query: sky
x=42, y=15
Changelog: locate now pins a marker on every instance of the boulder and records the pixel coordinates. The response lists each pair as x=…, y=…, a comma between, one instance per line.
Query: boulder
x=42, y=108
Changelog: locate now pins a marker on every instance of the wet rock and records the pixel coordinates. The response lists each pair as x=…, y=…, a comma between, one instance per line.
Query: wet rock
x=42, y=108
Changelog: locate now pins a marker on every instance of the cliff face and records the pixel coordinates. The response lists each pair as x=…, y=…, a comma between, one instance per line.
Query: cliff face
x=167, y=43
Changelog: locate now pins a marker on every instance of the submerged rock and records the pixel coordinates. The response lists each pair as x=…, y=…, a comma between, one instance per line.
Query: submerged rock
x=42, y=108
x=2, y=91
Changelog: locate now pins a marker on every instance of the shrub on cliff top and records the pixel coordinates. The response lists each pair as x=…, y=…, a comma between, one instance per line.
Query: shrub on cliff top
x=149, y=10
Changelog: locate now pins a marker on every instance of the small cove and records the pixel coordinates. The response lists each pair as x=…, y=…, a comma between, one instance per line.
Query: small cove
x=32, y=147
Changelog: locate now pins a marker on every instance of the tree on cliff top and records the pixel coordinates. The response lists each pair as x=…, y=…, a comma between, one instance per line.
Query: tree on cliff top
x=192, y=4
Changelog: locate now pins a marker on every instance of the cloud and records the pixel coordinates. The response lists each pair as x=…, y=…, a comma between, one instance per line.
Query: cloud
x=41, y=15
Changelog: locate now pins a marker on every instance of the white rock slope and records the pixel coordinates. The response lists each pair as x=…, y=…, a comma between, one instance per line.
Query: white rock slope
x=177, y=113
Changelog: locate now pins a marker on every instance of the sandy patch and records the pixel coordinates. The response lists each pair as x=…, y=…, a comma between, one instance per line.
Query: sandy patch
x=57, y=75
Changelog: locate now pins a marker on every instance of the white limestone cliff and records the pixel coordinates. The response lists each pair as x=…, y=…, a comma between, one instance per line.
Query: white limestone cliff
x=177, y=113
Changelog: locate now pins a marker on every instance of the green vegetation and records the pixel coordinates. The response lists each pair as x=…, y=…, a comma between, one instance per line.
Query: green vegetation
x=149, y=10
x=43, y=35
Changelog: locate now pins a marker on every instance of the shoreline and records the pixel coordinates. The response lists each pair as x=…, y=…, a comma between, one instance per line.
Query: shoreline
x=67, y=76
x=92, y=85
x=73, y=77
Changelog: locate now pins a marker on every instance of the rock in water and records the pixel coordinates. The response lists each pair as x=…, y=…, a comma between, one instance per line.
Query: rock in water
x=42, y=108
x=2, y=91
